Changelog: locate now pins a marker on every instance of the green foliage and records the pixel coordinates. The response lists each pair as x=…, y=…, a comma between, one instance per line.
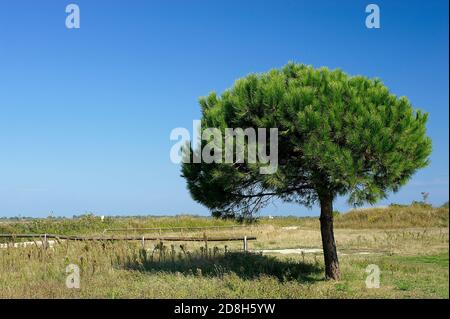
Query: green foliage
x=338, y=135
x=421, y=204
x=91, y=225
x=440, y=260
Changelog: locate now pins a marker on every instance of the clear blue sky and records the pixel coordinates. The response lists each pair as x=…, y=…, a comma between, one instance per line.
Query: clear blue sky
x=86, y=114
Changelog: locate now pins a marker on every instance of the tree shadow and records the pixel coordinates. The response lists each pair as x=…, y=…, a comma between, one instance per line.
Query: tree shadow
x=243, y=264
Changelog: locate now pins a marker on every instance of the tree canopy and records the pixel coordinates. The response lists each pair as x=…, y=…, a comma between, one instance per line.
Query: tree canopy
x=338, y=135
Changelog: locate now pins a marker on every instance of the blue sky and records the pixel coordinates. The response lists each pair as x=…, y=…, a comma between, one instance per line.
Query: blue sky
x=86, y=114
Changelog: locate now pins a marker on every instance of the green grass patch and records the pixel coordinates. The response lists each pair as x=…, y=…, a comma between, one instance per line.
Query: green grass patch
x=440, y=260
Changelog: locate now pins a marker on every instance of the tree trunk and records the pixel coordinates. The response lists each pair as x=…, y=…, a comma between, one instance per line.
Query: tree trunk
x=328, y=243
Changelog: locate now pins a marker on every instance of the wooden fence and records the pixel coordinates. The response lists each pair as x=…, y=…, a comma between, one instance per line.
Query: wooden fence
x=142, y=239
x=174, y=229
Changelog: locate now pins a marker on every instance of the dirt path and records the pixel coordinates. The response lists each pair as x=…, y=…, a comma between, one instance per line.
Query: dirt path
x=305, y=251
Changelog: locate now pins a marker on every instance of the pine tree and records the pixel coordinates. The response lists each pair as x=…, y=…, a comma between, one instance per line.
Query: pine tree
x=338, y=135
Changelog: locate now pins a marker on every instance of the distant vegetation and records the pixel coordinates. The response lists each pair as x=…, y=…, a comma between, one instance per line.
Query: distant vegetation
x=394, y=216
x=91, y=224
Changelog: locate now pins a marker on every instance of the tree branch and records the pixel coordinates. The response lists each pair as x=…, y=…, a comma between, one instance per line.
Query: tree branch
x=273, y=193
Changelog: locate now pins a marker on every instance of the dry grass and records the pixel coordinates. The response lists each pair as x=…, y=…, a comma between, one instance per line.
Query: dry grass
x=395, y=217
x=121, y=271
x=413, y=258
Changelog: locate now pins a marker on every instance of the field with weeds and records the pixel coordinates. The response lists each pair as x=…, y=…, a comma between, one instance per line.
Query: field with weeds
x=408, y=244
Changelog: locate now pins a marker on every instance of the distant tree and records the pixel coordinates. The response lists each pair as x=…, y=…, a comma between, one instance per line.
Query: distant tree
x=338, y=135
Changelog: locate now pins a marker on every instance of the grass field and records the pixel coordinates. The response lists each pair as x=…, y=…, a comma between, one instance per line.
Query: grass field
x=408, y=244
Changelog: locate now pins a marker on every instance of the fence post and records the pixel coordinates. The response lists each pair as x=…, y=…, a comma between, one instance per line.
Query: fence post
x=245, y=243
x=206, y=243
x=45, y=241
x=143, y=242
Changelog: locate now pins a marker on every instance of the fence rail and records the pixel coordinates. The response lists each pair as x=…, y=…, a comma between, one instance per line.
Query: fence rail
x=161, y=229
x=205, y=238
